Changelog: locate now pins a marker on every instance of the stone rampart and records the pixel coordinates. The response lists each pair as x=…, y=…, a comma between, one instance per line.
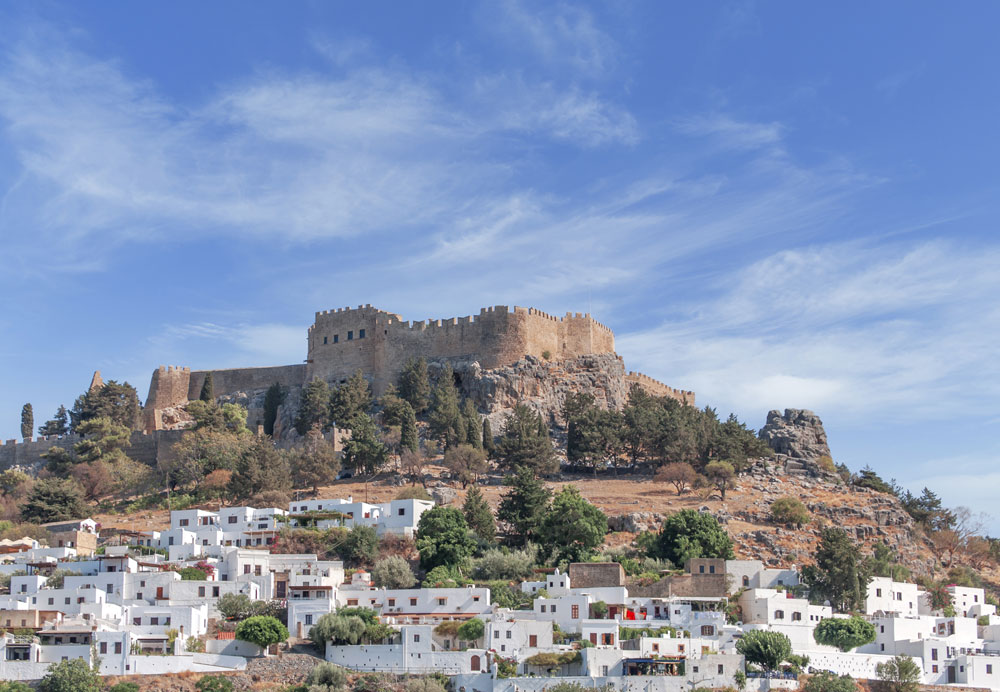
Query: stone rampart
x=379, y=343
x=657, y=388
x=235, y=380
x=147, y=448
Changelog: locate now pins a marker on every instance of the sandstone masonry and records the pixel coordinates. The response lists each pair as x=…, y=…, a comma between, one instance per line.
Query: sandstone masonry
x=378, y=343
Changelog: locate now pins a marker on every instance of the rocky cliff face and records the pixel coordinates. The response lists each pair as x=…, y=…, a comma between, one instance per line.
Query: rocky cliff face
x=797, y=433
x=544, y=385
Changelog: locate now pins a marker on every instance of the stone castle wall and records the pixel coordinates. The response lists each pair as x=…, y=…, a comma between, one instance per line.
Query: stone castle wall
x=145, y=448
x=379, y=343
x=657, y=388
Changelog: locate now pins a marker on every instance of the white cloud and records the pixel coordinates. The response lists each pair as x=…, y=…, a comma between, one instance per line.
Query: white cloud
x=241, y=344
x=559, y=34
x=848, y=329
x=730, y=133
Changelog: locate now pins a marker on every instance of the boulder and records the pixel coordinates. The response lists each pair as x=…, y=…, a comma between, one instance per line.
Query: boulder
x=797, y=433
x=444, y=495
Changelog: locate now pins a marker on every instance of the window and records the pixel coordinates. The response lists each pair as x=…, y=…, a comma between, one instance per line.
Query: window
x=413, y=601
x=111, y=588
x=878, y=592
x=934, y=655
x=246, y=569
x=201, y=592
x=746, y=580
x=694, y=669
x=336, y=338
x=711, y=569
x=720, y=669
x=934, y=669
x=183, y=522
x=118, y=647
x=104, y=647
x=215, y=592
x=136, y=621
x=701, y=569
x=779, y=615
x=361, y=334
x=402, y=511
x=881, y=647
x=989, y=669
x=392, y=602
x=154, y=621
x=543, y=608
x=604, y=671
x=796, y=617
x=442, y=601
x=707, y=630
x=881, y=629
x=416, y=637
x=553, y=608
x=575, y=611
x=350, y=336
x=256, y=570
x=232, y=519
x=508, y=634
x=309, y=618
x=138, y=595
x=52, y=601
x=608, y=638
x=352, y=601
x=656, y=648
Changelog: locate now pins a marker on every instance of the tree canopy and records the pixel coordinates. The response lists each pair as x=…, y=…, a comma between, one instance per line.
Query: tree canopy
x=443, y=538
x=765, y=648
x=689, y=534
x=572, y=527
x=523, y=507
x=844, y=633
x=839, y=575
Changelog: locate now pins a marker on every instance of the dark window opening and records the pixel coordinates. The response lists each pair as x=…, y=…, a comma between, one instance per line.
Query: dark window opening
x=336, y=338
x=361, y=334
x=350, y=336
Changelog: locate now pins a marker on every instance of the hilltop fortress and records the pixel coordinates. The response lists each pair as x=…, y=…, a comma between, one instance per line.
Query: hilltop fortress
x=378, y=343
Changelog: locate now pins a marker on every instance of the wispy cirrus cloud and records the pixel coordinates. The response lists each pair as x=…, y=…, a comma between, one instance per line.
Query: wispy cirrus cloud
x=850, y=329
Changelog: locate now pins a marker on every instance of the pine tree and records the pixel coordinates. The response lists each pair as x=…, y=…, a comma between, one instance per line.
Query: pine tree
x=525, y=442
x=27, y=421
x=408, y=438
x=523, y=508
x=350, y=400
x=58, y=425
x=314, y=409
x=445, y=418
x=208, y=390
x=488, y=445
x=365, y=452
x=273, y=400
x=479, y=516
x=414, y=385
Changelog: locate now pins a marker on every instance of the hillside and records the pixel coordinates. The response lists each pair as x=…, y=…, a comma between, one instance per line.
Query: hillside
x=637, y=503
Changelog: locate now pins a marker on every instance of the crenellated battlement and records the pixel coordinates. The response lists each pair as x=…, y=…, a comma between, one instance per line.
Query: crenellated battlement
x=342, y=341
x=657, y=388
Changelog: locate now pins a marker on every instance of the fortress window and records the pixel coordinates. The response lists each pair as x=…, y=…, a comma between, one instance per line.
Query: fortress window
x=361, y=334
x=324, y=340
x=336, y=338
x=350, y=336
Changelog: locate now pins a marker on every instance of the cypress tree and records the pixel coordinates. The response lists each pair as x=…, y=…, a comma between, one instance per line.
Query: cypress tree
x=479, y=516
x=208, y=390
x=273, y=399
x=314, y=409
x=445, y=418
x=523, y=507
x=27, y=421
x=414, y=385
x=408, y=438
x=488, y=444
x=473, y=431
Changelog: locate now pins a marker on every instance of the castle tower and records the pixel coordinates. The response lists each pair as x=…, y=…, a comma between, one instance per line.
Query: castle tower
x=96, y=382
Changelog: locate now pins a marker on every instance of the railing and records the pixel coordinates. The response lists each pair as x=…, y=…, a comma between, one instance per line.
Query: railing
x=773, y=675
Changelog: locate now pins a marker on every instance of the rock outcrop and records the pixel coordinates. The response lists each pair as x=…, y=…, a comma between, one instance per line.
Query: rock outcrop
x=797, y=434
x=544, y=385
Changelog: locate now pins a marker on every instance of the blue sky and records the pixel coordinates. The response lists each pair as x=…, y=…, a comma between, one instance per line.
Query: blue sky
x=775, y=204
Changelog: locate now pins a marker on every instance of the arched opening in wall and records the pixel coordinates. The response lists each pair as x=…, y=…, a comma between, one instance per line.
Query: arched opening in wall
x=475, y=664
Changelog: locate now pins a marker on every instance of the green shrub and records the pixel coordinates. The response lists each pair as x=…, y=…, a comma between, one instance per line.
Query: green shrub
x=214, y=683
x=789, y=511
x=72, y=675
x=471, y=630
x=262, y=630
x=844, y=633
x=328, y=676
